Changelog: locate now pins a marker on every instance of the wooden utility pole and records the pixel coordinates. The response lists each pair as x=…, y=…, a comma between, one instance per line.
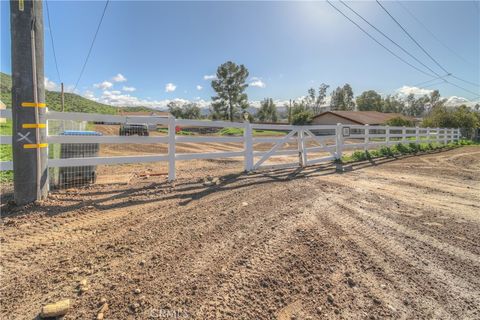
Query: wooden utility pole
x=63, y=98
x=30, y=176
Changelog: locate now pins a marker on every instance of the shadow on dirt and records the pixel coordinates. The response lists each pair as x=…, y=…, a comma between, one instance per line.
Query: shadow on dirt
x=105, y=197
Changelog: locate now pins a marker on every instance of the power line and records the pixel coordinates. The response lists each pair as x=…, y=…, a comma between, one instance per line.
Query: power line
x=425, y=82
x=433, y=59
x=412, y=38
x=472, y=83
x=53, y=42
x=476, y=94
x=432, y=34
x=392, y=41
x=378, y=42
x=435, y=84
x=91, y=46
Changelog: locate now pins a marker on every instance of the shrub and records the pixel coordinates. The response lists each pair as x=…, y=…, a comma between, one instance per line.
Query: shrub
x=374, y=153
x=400, y=122
x=359, y=156
x=414, y=147
x=403, y=149
x=304, y=117
x=386, y=152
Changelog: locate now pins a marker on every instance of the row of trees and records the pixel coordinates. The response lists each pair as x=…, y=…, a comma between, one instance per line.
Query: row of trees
x=231, y=103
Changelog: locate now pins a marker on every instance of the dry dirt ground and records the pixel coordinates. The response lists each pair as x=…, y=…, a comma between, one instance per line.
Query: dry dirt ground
x=392, y=239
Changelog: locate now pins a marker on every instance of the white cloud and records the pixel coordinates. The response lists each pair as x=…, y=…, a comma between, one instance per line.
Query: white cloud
x=104, y=85
x=406, y=90
x=129, y=89
x=199, y=87
x=119, y=78
x=257, y=82
x=90, y=95
x=170, y=87
x=50, y=85
x=209, y=77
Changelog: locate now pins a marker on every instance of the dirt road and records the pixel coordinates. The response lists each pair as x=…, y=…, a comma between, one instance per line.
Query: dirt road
x=398, y=239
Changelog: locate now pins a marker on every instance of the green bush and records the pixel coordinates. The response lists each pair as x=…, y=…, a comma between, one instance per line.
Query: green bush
x=359, y=156
x=414, y=147
x=301, y=118
x=403, y=149
x=386, y=152
x=374, y=153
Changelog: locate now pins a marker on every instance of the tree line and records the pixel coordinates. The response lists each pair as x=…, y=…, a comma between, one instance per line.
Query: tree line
x=231, y=103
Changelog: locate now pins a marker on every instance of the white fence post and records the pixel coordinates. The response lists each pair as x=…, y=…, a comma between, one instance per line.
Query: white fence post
x=428, y=135
x=387, y=135
x=338, y=141
x=417, y=132
x=248, y=145
x=438, y=136
x=171, y=148
x=367, y=136
x=302, y=152
x=445, y=135
x=404, y=134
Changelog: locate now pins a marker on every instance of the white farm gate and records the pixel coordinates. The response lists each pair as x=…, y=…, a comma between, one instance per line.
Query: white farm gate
x=312, y=144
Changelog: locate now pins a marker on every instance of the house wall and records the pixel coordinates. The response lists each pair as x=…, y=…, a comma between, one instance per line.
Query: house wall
x=331, y=119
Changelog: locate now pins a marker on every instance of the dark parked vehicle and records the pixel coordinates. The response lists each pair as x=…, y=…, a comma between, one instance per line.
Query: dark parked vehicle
x=130, y=129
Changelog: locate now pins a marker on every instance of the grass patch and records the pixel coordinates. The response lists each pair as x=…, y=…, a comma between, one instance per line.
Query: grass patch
x=6, y=155
x=6, y=151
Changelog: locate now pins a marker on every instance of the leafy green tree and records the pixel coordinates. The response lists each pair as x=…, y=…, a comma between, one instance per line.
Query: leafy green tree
x=460, y=117
x=435, y=99
x=415, y=107
x=268, y=111
x=184, y=110
x=303, y=117
x=230, y=86
x=342, y=98
x=391, y=104
x=369, y=101
x=301, y=113
x=399, y=122
x=314, y=101
x=191, y=111
x=175, y=109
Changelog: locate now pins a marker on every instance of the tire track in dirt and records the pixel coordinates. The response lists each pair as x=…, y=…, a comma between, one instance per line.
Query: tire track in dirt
x=405, y=258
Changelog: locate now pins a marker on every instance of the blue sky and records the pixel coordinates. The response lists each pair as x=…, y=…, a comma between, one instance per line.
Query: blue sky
x=164, y=50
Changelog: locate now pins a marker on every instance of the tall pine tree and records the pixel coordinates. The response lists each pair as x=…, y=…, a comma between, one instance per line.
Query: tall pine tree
x=230, y=86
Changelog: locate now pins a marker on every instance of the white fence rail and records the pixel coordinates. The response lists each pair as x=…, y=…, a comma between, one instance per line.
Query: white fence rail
x=332, y=140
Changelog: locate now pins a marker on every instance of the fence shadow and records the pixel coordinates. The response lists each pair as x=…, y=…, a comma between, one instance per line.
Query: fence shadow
x=184, y=190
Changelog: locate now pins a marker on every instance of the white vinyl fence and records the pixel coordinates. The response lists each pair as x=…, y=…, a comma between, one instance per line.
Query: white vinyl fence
x=328, y=140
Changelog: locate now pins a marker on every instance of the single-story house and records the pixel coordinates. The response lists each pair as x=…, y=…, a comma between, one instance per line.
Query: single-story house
x=357, y=117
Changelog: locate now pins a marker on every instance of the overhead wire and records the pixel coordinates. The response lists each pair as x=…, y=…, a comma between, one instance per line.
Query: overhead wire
x=91, y=46
x=411, y=37
x=50, y=31
x=391, y=40
x=426, y=52
x=433, y=34
x=378, y=42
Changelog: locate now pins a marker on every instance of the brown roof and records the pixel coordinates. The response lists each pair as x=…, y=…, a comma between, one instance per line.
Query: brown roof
x=366, y=117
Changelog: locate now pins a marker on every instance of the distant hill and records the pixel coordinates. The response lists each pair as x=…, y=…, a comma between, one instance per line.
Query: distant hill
x=73, y=102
